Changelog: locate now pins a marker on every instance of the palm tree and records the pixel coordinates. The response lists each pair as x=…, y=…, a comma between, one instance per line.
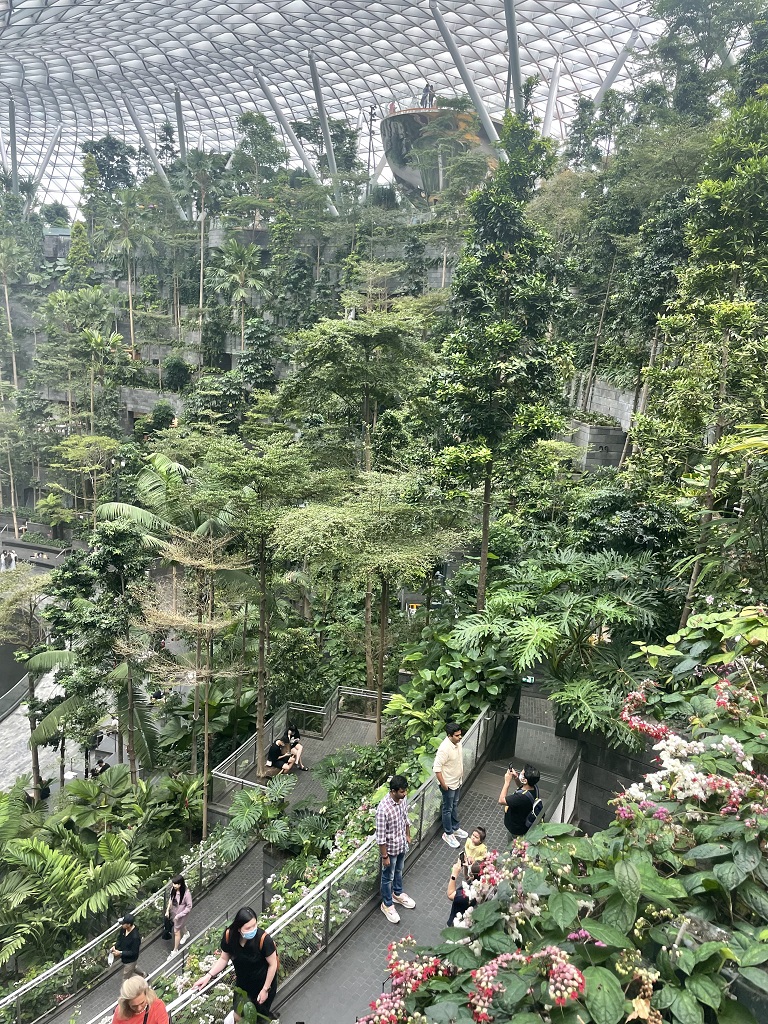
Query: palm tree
x=13, y=267
x=101, y=347
x=128, y=237
x=238, y=275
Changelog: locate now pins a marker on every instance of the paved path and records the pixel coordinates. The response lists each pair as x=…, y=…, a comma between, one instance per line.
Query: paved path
x=343, y=988
x=14, y=742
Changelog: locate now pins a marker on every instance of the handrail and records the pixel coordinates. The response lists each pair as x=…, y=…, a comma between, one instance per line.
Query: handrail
x=472, y=741
x=10, y=700
x=39, y=979
x=560, y=790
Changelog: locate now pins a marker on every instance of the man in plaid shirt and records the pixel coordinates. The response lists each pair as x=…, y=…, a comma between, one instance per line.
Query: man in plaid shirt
x=393, y=834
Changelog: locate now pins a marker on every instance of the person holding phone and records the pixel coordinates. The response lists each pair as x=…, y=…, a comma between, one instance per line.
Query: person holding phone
x=520, y=804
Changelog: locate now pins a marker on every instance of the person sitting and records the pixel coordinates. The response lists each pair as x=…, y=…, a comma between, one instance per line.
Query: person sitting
x=293, y=738
x=279, y=760
x=99, y=769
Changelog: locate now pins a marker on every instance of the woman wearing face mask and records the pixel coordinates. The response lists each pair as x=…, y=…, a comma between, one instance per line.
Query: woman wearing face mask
x=254, y=958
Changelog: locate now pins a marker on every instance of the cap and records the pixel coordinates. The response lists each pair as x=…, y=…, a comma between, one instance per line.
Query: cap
x=128, y=919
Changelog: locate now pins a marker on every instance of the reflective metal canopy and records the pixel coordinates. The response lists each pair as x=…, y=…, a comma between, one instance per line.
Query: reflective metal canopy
x=71, y=62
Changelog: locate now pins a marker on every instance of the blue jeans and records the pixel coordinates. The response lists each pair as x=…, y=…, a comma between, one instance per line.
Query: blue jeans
x=392, y=878
x=450, y=810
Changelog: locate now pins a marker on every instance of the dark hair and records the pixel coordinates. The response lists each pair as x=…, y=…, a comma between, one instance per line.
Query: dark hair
x=475, y=870
x=128, y=919
x=397, y=782
x=451, y=728
x=532, y=775
x=243, y=916
x=291, y=727
x=481, y=831
x=179, y=880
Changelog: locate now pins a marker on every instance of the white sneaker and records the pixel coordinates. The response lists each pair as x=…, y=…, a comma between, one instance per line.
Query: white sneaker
x=405, y=901
x=390, y=913
x=171, y=955
x=452, y=841
x=184, y=938
x=460, y=833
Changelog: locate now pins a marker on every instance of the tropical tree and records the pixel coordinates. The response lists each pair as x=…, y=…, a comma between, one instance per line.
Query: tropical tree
x=501, y=360
x=14, y=264
x=128, y=237
x=238, y=274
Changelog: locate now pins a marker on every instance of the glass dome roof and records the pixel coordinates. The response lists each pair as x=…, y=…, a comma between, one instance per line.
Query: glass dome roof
x=72, y=62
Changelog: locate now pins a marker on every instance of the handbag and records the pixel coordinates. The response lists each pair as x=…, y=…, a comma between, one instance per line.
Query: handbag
x=167, y=923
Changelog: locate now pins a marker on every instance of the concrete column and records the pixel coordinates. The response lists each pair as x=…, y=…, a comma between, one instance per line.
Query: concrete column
x=618, y=64
x=324, y=126
x=513, y=72
x=4, y=155
x=554, y=82
x=469, y=85
x=298, y=148
x=159, y=169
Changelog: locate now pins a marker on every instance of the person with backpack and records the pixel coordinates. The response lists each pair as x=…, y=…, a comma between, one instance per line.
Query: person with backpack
x=253, y=955
x=522, y=806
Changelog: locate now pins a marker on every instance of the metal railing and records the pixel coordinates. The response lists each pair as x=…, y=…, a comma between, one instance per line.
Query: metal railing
x=306, y=930
x=38, y=997
x=310, y=719
x=561, y=805
x=12, y=698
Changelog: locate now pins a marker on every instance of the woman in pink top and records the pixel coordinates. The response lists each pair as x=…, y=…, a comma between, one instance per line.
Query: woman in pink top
x=138, y=1004
x=179, y=906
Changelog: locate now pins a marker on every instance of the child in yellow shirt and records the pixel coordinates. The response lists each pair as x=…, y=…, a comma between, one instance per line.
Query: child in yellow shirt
x=475, y=848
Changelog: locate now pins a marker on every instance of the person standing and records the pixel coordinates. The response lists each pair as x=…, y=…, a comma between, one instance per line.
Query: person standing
x=522, y=803
x=138, y=1004
x=431, y=97
x=425, y=95
x=179, y=906
x=128, y=946
x=449, y=770
x=254, y=958
x=393, y=834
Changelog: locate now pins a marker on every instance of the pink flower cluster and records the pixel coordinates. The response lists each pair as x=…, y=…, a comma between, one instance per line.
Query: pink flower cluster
x=633, y=702
x=407, y=977
x=565, y=982
x=732, y=698
x=486, y=987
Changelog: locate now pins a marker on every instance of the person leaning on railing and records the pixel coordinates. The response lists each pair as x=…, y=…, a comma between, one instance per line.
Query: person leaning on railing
x=138, y=1004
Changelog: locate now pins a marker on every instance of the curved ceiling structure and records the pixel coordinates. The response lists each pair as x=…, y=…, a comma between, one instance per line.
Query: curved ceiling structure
x=70, y=63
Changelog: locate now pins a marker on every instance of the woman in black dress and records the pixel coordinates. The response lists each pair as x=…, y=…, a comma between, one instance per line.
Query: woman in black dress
x=253, y=955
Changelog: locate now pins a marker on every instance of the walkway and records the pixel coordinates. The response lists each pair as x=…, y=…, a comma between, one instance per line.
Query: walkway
x=241, y=886
x=342, y=989
x=14, y=742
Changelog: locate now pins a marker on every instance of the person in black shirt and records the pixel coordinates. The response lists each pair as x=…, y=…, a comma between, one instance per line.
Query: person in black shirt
x=458, y=891
x=127, y=946
x=279, y=760
x=520, y=803
x=254, y=958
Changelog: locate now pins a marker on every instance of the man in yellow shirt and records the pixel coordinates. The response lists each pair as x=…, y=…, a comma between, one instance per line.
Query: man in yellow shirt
x=449, y=770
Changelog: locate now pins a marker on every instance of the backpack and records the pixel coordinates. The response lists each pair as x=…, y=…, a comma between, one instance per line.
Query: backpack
x=261, y=944
x=536, y=808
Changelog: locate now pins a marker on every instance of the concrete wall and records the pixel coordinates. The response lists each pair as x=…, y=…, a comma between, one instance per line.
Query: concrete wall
x=612, y=401
x=141, y=401
x=602, y=445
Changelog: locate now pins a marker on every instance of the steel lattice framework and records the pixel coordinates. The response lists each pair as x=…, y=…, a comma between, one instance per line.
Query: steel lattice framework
x=72, y=62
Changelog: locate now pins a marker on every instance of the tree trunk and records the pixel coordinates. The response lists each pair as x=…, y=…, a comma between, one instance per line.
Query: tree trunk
x=62, y=762
x=93, y=384
x=482, y=579
x=198, y=666
x=11, y=488
x=34, y=753
x=591, y=377
x=261, y=697
x=239, y=683
x=131, y=729
x=120, y=752
x=10, y=333
x=383, y=623
x=369, y=673
x=202, y=275
x=130, y=310
x=208, y=670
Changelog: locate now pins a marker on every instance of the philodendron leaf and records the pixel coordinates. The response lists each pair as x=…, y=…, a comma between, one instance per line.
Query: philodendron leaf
x=746, y=855
x=705, y=989
x=603, y=996
x=729, y=875
x=754, y=955
x=686, y=1008
x=628, y=880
